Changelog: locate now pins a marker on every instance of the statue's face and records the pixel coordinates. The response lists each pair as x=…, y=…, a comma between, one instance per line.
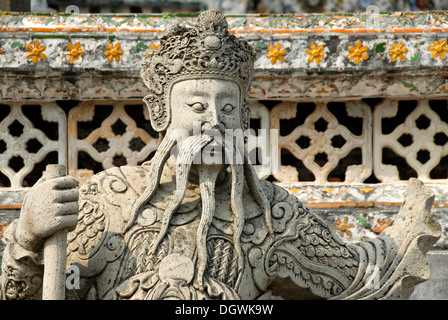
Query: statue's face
x=213, y=103
x=206, y=109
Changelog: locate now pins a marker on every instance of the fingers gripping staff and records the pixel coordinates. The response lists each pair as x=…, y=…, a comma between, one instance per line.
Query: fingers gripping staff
x=54, y=252
x=61, y=216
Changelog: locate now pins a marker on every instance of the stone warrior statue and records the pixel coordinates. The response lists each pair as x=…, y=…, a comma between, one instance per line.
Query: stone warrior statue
x=174, y=228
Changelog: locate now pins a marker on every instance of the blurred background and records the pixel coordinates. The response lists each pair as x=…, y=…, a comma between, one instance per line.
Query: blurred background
x=226, y=6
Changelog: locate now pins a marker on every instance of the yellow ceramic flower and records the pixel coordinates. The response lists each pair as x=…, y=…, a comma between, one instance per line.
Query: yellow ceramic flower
x=275, y=53
x=343, y=227
x=114, y=52
x=358, y=52
x=398, y=51
x=36, y=52
x=366, y=190
x=75, y=52
x=152, y=46
x=315, y=53
x=439, y=49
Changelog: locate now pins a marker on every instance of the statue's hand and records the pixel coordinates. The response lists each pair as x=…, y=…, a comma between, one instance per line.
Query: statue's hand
x=48, y=207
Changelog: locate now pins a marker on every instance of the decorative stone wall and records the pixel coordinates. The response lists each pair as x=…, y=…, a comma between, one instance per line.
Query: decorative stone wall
x=359, y=102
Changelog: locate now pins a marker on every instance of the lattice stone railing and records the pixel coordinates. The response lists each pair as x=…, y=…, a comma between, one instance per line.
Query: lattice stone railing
x=118, y=140
x=395, y=140
x=321, y=142
x=420, y=140
x=352, y=126
x=25, y=142
x=317, y=142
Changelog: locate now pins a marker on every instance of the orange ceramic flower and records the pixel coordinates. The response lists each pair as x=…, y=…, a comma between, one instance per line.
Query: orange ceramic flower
x=343, y=227
x=275, y=53
x=152, y=46
x=315, y=53
x=398, y=51
x=383, y=224
x=74, y=52
x=3, y=226
x=358, y=52
x=114, y=52
x=36, y=52
x=439, y=49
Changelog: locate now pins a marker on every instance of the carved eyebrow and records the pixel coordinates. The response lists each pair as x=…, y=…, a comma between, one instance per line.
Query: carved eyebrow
x=198, y=93
x=205, y=94
x=226, y=94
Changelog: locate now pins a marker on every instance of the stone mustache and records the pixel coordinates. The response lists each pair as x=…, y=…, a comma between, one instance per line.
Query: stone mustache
x=175, y=229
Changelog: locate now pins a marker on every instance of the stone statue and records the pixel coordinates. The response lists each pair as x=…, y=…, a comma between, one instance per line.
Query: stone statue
x=178, y=228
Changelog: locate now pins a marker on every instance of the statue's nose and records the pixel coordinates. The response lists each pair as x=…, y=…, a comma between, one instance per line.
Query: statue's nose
x=210, y=126
x=212, y=121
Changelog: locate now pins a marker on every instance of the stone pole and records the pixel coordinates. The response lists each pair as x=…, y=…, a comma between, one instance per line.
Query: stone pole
x=55, y=251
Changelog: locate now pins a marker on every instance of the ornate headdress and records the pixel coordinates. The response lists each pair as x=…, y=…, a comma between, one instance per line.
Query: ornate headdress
x=207, y=50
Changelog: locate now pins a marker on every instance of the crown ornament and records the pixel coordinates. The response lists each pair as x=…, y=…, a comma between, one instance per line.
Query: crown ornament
x=206, y=50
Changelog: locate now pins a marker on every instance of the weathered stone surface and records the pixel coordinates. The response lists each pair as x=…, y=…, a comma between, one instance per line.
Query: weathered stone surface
x=436, y=288
x=196, y=222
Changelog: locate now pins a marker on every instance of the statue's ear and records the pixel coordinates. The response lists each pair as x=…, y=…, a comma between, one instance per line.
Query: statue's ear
x=159, y=114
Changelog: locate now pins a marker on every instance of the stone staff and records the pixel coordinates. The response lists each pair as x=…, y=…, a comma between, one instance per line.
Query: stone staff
x=54, y=251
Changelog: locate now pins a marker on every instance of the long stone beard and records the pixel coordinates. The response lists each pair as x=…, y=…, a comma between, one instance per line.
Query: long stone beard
x=240, y=170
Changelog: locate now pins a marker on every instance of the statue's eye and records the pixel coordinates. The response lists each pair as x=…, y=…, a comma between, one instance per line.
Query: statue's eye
x=228, y=108
x=197, y=107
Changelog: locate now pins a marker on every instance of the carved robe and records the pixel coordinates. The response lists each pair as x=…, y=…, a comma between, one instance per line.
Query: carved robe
x=304, y=259
x=112, y=257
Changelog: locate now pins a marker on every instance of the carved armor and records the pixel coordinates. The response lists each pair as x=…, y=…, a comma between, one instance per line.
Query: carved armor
x=304, y=260
x=100, y=244
x=166, y=231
